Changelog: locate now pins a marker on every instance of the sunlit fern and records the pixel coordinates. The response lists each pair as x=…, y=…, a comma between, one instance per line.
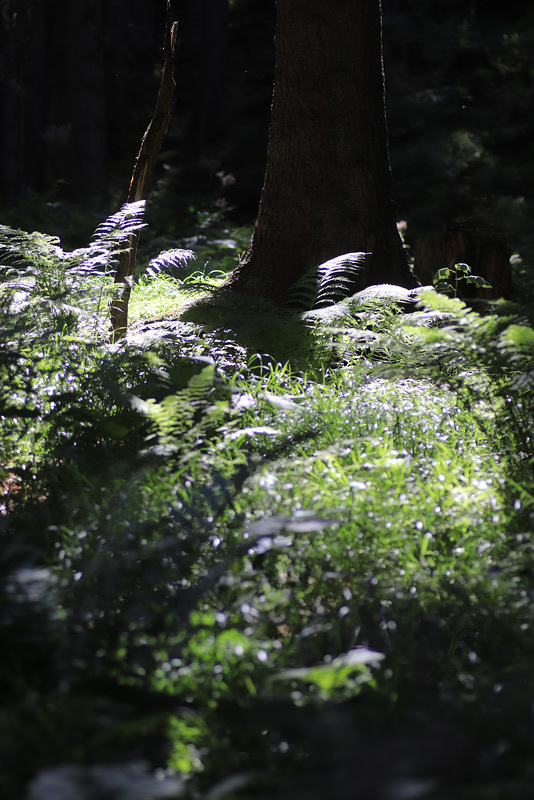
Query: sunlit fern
x=488, y=359
x=187, y=390
x=380, y=296
x=122, y=224
x=327, y=283
x=64, y=290
x=174, y=262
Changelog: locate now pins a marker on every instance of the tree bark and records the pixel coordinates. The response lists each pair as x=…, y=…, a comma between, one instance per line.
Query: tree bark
x=143, y=172
x=328, y=186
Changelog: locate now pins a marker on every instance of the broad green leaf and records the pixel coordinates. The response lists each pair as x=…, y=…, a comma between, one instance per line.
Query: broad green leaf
x=461, y=269
x=477, y=280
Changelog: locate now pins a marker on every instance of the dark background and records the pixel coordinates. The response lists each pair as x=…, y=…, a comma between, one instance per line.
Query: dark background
x=79, y=81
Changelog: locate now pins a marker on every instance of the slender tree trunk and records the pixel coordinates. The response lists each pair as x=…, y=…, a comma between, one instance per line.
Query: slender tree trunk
x=328, y=187
x=142, y=176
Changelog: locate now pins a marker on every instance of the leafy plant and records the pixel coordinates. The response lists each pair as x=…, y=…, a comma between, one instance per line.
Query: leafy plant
x=449, y=280
x=171, y=261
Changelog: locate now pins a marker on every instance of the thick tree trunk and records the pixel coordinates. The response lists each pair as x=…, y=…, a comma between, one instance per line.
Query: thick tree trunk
x=328, y=187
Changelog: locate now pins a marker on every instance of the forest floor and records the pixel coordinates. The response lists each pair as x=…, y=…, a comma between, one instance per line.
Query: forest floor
x=265, y=555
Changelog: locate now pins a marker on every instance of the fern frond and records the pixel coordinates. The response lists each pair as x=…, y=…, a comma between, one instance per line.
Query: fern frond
x=170, y=261
x=63, y=290
x=327, y=283
x=384, y=293
x=336, y=276
x=174, y=417
x=20, y=249
x=381, y=295
x=122, y=224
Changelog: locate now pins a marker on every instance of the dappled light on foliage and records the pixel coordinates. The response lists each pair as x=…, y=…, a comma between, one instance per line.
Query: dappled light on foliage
x=231, y=523
x=269, y=551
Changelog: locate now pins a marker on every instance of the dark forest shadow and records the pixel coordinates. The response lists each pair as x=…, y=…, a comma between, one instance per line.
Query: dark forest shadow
x=268, y=333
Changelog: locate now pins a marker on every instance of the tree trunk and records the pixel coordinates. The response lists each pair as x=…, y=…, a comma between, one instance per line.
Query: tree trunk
x=328, y=187
x=142, y=176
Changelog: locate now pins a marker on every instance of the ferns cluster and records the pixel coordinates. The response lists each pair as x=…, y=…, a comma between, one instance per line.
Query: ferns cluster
x=489, y=359
x=486, y=358
x=186, y=406
x=49, y=289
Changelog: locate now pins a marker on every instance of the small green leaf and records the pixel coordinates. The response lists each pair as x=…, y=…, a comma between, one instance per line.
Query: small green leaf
x=478, y=281
x=462, y=269
x=443, y=287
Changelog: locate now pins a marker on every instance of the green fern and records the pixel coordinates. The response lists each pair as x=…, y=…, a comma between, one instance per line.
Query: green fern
x=174, y=262
x=181, y=405
x=119, y=226
x=379, y=296
x=19, y=250
x=58, y=290
x=327, y=283
x=488, y=359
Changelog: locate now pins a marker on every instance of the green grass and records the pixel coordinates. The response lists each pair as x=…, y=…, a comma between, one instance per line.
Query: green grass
x=166, y=296
x=268, y=550
x=423, y=541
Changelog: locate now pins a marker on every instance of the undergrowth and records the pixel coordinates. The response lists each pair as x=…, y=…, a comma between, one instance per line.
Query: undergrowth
x=269, y=551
